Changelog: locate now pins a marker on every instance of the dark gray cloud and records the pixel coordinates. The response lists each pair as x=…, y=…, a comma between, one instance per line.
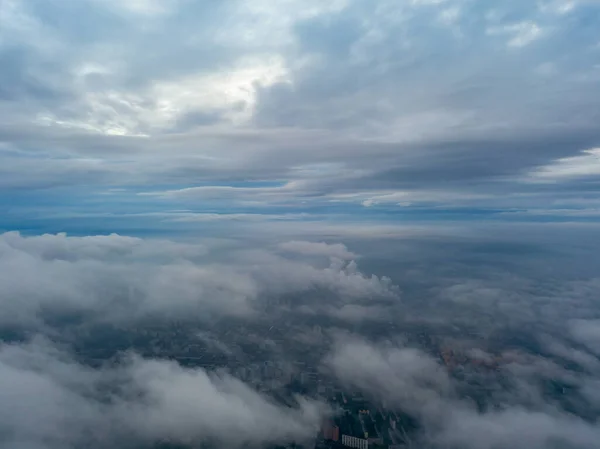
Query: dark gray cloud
x=341, y=102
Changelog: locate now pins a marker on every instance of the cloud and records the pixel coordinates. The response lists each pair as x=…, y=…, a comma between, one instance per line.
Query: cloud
x=404, y=378
x=517, y=428
x=247, y=92
x=50, y=401
x=336, y=250
x=120, y=278
x=581, y=166
x=414, y=382
x=586, y=332
x=342, y=278
x=356, y=313
x=247, y=194
x=144, y=8
x=528, y=333
x=206, y=217
x=522, y=34
x=428, y=164
x=69, y=248
x=228, y=95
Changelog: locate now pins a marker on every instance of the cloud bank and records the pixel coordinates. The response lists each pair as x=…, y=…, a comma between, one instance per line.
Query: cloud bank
x=50, y=401
x=122, y=278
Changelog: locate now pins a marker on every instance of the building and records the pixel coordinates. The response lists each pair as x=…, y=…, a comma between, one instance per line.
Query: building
x=331, y=431
x=358, y=443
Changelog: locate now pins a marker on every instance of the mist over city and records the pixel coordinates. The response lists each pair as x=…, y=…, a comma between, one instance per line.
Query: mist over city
x=277, y=224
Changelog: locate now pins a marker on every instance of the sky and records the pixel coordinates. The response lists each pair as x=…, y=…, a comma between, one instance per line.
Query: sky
x=154, y=117
x=433, y=164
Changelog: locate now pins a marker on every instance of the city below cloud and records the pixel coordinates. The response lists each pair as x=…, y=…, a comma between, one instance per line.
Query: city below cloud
x=275, y=224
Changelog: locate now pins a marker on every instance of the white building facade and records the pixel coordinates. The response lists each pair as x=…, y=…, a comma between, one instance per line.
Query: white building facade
x=358, y=443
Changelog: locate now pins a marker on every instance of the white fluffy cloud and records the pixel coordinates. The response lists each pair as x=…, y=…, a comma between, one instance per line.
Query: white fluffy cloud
x=399, y=377
x=122, y=278
x=49, y=401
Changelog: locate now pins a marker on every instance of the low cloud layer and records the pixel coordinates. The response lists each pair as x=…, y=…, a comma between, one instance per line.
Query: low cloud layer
x=49, y=401
x=411, y=380
x=483, y=351
x=119, y=278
